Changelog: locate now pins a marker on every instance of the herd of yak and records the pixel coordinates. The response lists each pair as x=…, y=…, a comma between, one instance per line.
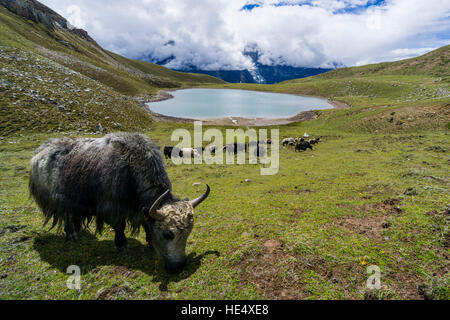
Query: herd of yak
x=299, y=144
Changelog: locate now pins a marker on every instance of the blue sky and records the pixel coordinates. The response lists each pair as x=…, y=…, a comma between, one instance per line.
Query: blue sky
x=350, y=8
x=212, y=34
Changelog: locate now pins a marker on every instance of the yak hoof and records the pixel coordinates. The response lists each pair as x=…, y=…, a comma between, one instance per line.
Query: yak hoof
x=72, y=236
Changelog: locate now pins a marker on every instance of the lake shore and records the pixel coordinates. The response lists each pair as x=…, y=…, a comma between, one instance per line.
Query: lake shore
x=162, y=95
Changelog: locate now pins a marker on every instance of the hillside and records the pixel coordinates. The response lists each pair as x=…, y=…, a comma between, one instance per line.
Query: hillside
x=407, y=95
x=57, y=78
x=434, y=64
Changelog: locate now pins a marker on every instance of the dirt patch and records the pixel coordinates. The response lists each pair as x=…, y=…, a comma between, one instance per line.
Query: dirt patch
x=385, y=207
x=295, y=190
x=279, y=274
x=372, y=190
x=240, y=121
x=298, y=212
x=370, y=227
x=113, y=293
x=124, y=271
x=372, y=224
x=273, y=272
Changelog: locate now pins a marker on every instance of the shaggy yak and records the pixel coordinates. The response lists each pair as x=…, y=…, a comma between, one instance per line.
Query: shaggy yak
x=168, y=151
x=288, y=141
x=234, y=148
x=190, y=152
x=314, y=141
x=118, y=179
x=302, y=145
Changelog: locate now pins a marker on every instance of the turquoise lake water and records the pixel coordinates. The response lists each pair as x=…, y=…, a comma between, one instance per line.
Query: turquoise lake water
x=219, y=103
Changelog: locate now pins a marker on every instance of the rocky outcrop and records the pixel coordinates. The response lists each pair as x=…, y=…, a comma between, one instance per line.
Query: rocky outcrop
x=37, y=12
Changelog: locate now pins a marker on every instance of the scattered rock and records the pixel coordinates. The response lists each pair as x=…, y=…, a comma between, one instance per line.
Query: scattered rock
x=196, y=184
x=435, y=149
x=410, y=192
x=385, y=225
x=334, y=280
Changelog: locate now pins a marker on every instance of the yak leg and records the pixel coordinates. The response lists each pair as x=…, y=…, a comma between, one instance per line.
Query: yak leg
x=120, y=240
x=72, y=226
x=147, y=234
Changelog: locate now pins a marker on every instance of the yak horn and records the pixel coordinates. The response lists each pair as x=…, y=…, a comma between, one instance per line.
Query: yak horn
x=154, y=212
x=199, y=200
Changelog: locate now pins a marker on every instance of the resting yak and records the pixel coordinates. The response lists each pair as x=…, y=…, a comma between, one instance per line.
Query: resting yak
x=118, y=179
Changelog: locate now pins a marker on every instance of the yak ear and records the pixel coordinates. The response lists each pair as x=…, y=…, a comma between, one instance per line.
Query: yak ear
x=145, y=213
x=156, y=215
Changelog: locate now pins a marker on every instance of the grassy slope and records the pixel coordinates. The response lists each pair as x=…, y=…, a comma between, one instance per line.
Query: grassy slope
x=58, y=57
x=308, y=232
x=323, y=214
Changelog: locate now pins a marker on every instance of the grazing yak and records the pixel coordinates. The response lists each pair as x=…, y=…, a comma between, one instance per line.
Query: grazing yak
x=118, y=179
x=190, y=152
x=234, y=148
x=302, y=145
x=314, y=141
x=169, y=151
x=288, y=141
x=212, y=149
x=259, y=147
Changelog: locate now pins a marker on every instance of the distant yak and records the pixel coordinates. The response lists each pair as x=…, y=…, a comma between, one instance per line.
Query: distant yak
x=302, y=145
x=118, y=179
x=234, y=148
x=172, y=151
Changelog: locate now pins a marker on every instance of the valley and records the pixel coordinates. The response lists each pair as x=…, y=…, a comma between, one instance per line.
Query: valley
x=375, y=191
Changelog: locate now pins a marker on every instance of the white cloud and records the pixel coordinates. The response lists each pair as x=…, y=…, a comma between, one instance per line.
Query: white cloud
x=212, y=34
x=73, y=15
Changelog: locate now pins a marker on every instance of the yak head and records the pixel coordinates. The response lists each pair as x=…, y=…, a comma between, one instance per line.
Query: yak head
x=170, y=226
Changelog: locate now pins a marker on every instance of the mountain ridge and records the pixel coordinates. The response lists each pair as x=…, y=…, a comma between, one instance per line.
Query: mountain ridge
x=55, y=79
x=260, y=73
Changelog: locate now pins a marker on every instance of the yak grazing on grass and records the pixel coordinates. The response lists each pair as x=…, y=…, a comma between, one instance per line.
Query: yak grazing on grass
x=169, y=151
x=118, y=179
x=302, y=145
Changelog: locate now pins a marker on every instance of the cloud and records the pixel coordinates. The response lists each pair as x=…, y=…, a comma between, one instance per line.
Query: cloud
x=73, y=15
x=212, y=34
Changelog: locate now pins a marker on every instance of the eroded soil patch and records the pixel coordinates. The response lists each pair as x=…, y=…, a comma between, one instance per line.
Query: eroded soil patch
x=374, y=222
x=279, y=274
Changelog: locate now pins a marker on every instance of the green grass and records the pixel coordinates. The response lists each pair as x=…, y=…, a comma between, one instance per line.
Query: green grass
x=325, y=208
x=374, y=192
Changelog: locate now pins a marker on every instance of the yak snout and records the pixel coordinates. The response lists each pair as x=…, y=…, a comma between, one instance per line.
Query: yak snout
x=175, y=266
